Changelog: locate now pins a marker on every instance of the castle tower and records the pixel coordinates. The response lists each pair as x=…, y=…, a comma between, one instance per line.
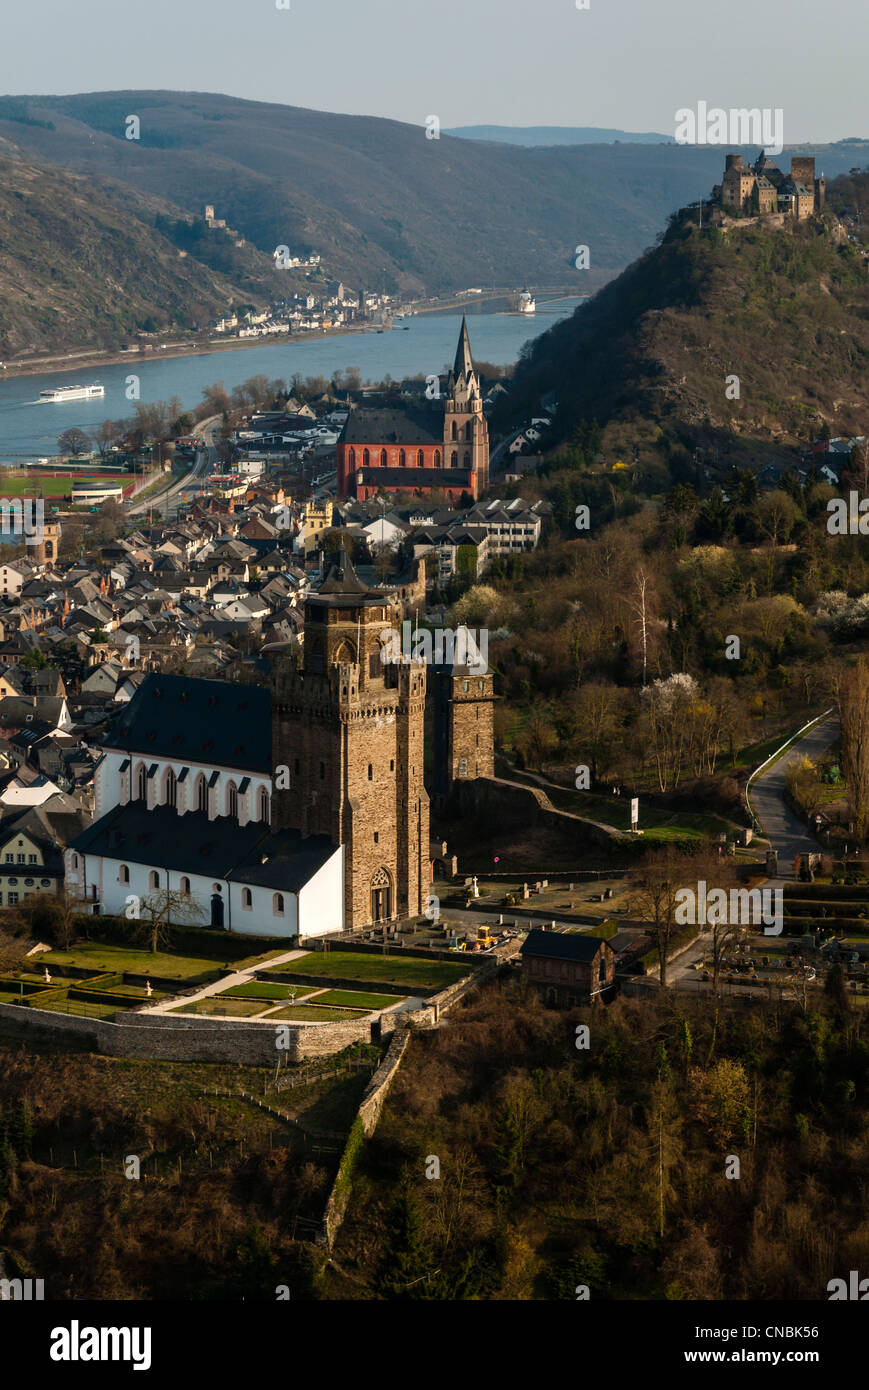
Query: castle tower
x=466, y=433
x=348, y=749
x=464, y=733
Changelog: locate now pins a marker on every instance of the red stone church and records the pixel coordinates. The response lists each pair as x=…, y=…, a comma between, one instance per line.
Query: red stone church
x=445, y=447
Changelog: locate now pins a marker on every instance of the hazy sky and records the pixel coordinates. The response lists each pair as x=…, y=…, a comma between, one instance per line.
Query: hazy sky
x=625, y=63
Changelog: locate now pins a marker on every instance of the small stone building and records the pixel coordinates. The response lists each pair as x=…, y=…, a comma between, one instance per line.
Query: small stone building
x=567, y=969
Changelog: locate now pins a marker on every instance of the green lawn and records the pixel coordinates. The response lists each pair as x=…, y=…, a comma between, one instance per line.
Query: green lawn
x=248, y=962
x=305, y=1012
x=389, y=970
x=264, y=989
x=231, y=1008
x=351, y=999
x=107, y=960
x=77, y=1006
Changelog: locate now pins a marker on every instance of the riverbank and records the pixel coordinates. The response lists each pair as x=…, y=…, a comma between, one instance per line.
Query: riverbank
x=85, y=359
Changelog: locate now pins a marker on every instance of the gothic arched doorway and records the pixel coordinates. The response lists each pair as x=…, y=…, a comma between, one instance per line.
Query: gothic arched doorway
x=216, y=908
x=381, y=896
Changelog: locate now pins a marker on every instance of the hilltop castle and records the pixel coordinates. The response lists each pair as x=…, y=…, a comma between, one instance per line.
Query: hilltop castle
x=417, y=451
x=762, y=188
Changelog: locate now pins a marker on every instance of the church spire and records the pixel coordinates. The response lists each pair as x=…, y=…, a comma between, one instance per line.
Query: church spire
x=464, y=363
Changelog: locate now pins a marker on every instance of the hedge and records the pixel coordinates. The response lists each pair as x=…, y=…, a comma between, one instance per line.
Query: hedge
x=185, y=940
x=827, y=892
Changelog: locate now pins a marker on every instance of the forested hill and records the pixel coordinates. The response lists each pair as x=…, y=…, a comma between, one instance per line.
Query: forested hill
x=86, y=266
x=786, y=310
x=384, y=206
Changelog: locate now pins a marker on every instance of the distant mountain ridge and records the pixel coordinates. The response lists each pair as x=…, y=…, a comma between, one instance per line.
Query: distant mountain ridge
x=386, y=207
x=559, y=135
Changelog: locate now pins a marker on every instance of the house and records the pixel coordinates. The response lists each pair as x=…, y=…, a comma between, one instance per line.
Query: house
x=567, y=969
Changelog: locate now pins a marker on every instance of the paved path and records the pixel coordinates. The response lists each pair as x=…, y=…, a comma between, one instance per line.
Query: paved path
x=240, y=977
x=786, y=832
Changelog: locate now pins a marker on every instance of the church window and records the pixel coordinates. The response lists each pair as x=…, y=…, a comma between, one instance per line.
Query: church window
x=171, y=788
x=278, y=905
x=467, y=459
x=383, y=458
x=366, y=458
x=437, y=458
x=141, y=784
x=454, y=459
x=352, y=458
x=123, y=874
x=377, y=837
x=322, y=772
x=466, y=685
x=455, y=431
x=391, y=764
x=370, y=773
x=263, y=804
x=246, y=898
x=185, y=887
x=232, y=800
x=153, y=880
x=420, y=458
x=468, y=430
x=402, y=458
x=201, y=794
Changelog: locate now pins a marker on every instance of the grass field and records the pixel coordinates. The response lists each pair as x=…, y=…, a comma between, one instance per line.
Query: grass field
x=231, y=1008
x=307, y=1013
x=33, y=484
x=264, y=989
x=77, y=1006
x=101, y=959
x=351, y=999
x=390, y=970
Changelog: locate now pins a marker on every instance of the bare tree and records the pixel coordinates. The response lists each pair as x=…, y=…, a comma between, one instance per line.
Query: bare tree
x=159, y=910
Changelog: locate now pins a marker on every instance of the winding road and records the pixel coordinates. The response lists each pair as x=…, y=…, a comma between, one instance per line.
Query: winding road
x=786, y=832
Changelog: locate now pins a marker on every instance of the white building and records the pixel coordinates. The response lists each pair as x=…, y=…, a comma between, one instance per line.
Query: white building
x=183, y=801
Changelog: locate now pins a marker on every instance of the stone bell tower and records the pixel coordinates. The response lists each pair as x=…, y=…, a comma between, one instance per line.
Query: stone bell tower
x=347, y=748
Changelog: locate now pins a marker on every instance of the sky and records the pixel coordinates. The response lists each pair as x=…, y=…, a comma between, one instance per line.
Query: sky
x=630, y=64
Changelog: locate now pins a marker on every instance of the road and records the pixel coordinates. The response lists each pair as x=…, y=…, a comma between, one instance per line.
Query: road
x=176, y=488
x=786, y=832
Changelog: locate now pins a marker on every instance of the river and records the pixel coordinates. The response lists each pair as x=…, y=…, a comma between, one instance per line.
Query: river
x=425, y=343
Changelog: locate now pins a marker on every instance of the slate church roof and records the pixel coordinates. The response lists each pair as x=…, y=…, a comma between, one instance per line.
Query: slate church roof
x=214, y=722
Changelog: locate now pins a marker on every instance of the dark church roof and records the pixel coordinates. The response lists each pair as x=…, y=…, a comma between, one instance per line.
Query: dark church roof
x=214, y=722
x=555, y=945
x=407, y=427
x=217, y=849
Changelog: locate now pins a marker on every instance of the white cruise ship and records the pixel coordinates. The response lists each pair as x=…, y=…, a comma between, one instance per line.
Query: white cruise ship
x=73, y=393
x=527, y=303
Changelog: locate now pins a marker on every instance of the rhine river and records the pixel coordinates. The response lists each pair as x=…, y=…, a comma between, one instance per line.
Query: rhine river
x=425, y=343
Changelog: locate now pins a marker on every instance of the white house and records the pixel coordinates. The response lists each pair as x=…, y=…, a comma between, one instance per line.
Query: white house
x=183, y=802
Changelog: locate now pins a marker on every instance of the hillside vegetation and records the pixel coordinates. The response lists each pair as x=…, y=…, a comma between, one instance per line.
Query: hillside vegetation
x=84, y=266
x=380, y=202
x=608, y=1167
x=786, y=310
